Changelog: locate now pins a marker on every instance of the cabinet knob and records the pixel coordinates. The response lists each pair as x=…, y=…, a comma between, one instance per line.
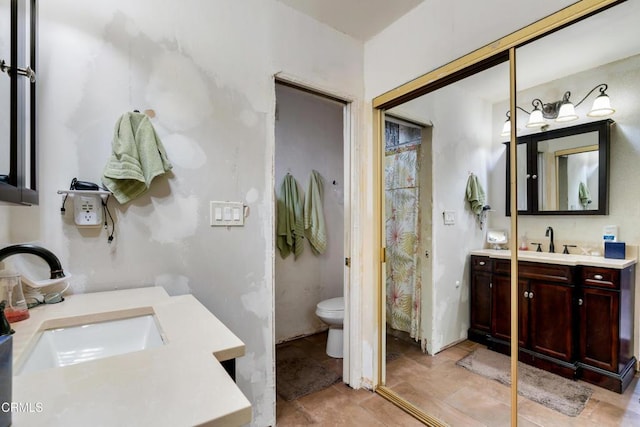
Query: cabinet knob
x=481, y=263
x=580, y=301
x=530, y=295
x=526, y=294
x=535, y=177
x=528, y=176
x=598, y=276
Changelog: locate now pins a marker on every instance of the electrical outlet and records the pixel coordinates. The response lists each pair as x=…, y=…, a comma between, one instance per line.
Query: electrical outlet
x=87, y=210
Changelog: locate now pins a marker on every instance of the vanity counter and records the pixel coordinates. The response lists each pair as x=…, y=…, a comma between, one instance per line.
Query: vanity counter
x=179, y=383
x=556, y=258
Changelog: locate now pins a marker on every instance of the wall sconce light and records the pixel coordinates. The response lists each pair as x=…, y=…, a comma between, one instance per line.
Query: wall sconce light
x=562, y=111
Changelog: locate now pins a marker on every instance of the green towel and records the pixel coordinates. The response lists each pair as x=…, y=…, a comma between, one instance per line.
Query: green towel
x=137, y=157
x=290, y=228
x=475, y=194
x=314, y=216
x=584, y=195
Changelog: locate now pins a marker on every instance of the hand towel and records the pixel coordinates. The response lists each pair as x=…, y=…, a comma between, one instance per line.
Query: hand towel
x=314, y=224
x=475, y=194
x=584, y=194
x=137, y=157
x=290, y=226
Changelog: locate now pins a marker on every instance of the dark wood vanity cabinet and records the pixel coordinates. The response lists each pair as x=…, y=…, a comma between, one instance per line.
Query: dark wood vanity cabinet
x=480, y=321
x=575, y=321
x=545, y=315
x=605, y=306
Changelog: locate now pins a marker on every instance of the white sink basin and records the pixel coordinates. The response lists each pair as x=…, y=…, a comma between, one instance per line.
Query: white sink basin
x=76, y=344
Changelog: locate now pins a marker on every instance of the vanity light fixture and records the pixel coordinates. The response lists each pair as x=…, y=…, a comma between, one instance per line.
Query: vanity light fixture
x=563, y=110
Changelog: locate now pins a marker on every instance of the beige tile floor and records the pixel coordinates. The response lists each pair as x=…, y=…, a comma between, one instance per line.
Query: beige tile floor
x=449, y=392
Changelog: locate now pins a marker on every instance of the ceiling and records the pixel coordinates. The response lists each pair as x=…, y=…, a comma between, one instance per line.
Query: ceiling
x=361, y=19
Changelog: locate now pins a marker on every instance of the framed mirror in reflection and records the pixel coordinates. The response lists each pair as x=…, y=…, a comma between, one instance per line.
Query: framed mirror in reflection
x=564, y=171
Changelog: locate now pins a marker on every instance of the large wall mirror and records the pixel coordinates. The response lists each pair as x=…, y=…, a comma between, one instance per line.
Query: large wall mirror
x=564, y=171
x=429, y=229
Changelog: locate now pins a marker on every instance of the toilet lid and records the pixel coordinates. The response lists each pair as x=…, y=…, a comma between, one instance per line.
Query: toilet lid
x=333, y=304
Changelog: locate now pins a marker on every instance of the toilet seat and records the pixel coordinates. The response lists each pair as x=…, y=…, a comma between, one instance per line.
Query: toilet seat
x=333, y=308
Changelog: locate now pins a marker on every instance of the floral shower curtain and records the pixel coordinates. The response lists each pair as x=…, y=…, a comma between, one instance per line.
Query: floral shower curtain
x=403, y=282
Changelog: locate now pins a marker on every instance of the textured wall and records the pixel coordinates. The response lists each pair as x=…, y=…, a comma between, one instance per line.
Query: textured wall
x=206, y=68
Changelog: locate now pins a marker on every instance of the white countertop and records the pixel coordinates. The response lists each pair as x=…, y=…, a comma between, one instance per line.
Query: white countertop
x=556, y=258
x=177, y=384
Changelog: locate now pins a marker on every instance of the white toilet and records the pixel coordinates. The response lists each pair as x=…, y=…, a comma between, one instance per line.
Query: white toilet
x=331, y=312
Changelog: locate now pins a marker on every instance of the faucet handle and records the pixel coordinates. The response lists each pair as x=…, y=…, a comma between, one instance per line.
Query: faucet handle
x=566, y=250
x=539, y=249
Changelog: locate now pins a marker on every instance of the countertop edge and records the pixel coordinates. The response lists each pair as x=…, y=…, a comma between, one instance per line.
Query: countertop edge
x=560, y=259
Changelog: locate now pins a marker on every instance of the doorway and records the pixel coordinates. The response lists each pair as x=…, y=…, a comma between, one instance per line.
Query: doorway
x=311, y=159
x=408, y=206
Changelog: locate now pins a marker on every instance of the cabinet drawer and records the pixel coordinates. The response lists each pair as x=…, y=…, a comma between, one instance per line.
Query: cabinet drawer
x=549, y=272
x=537, y=270
x=481, y=263
x=601, y=277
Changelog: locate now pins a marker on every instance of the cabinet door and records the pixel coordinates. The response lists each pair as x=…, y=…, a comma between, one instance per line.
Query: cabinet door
x=550, y=319
x=599, y=328
x=501, y=309
x=481, y=302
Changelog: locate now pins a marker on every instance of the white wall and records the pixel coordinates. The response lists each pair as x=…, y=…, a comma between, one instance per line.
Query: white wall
x=309, y=136
x=206, y=68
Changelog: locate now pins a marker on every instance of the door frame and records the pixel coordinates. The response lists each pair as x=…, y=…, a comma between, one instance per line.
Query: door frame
x=352, y=355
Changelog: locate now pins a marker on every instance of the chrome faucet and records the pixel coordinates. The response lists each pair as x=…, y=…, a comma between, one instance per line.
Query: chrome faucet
x=549, y=234
x=45, y=254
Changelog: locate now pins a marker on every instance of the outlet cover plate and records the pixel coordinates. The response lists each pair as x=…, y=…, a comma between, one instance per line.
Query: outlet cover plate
x=87, y=210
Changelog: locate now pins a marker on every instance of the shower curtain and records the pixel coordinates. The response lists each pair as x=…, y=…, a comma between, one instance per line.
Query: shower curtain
x=403, y=283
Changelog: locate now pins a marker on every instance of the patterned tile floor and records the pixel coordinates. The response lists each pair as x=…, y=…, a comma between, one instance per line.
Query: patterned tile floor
x=449, y=392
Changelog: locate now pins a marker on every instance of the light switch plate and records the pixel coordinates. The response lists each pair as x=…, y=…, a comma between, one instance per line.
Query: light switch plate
x=449, y=217
x=226, y=214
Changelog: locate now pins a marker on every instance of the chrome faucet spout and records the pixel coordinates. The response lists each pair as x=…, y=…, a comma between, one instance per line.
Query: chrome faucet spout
x=549, y=234
x=45, y=254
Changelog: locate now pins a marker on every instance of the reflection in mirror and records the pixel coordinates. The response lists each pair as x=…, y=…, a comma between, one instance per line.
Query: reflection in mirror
x=434, y=143
x=572, y=170
x=569, y=173
x=5, y=54
x=459, y=291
